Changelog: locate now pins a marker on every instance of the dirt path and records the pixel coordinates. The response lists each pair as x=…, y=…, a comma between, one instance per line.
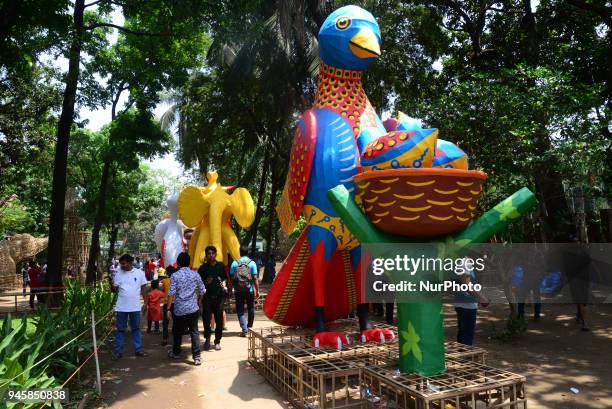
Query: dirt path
x=554, y=355
x=223, y=381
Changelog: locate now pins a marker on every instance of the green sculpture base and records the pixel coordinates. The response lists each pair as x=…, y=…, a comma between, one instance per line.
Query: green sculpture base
x=420, y=326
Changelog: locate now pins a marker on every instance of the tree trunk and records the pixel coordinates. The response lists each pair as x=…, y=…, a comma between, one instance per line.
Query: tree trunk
x=260, y=199
x=94, y=249
x=548, y=180
x=58, y=193
x=112, y=240
x=271, y=211
x=609, y=76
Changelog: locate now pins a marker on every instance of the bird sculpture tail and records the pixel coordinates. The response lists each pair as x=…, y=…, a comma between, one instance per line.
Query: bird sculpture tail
x=291, y=299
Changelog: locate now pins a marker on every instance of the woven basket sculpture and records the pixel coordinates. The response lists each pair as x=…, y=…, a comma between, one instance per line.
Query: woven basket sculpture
x=423, y=202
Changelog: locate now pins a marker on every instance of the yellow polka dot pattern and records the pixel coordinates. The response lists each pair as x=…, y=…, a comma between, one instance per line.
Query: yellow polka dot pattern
x=341, y=91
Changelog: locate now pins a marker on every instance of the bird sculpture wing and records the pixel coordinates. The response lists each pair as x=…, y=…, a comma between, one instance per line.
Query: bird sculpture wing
x=291, y=203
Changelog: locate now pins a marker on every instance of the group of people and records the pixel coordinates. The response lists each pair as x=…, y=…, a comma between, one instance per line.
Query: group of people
x=34, y=276
x=181, y=296
x=151, y=266
x=268, y=266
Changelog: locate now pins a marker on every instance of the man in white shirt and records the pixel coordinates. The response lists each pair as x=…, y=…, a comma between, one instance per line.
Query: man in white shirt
x=131, y=284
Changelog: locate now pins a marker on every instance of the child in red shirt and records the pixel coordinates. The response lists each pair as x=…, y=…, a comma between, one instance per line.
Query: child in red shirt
x=153, y=306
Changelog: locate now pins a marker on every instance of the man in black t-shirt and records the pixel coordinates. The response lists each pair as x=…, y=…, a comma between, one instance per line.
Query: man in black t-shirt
x=215, y=279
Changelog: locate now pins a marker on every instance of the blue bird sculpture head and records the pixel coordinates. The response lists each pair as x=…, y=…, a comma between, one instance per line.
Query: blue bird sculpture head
x=349, y=38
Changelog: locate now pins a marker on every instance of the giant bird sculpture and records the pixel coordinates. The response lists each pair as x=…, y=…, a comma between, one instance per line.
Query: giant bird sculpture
x=319, y=281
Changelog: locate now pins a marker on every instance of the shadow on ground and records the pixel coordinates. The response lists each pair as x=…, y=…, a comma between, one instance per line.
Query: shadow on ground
x=554, y=354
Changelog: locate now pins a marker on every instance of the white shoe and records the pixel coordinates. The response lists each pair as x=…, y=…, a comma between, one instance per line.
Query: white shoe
x=217, y=347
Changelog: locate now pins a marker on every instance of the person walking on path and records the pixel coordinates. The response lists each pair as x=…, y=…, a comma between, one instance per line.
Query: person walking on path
x=214, y=277
x=534, y=271
x=166, y=288
x=25, y=279
x=183, y=305
x=576, y=267
x=269, y=270
x=153, y=306
x=246, y=288
x=466, y=307
x=34, y=272
x=131, y=284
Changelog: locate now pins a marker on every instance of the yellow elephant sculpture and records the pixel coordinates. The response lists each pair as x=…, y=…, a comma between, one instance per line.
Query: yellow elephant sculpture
x=209, y=210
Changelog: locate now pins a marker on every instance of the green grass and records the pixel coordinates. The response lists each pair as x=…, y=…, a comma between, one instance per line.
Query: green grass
x=31, y=324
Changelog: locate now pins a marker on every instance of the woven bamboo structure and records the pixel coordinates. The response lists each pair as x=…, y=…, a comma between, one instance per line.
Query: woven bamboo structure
x=326, y=378
x=76, y=241
x=312, y=378
x=17, y=248
x=464, y=385
x=230, y=304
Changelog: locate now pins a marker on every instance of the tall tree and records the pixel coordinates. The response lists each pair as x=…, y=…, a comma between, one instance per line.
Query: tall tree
x=135, y=132
x=58, y=192
x=84, y=30
x=519, y=88
x=174, y=42
x=28, y=101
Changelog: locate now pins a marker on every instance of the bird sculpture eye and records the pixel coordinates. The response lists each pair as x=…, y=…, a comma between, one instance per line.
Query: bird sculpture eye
x=343, y=23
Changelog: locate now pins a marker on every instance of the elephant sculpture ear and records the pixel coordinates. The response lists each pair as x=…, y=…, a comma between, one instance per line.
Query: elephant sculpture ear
x=191, y=206
x=242, y=206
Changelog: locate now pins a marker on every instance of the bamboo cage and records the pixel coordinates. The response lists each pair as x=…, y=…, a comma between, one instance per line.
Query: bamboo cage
x=464, y=385
x=280, y=334
x=325, y=378
x=312, y=378
x=230, y=303
x=456, y=350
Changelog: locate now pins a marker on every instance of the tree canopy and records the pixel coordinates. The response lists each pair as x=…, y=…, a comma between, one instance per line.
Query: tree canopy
x=524, y=89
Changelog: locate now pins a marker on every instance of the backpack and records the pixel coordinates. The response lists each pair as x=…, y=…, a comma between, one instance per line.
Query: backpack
x=243, y=277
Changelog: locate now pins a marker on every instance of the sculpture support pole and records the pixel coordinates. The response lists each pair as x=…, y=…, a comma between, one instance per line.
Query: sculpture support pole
x=420, y=326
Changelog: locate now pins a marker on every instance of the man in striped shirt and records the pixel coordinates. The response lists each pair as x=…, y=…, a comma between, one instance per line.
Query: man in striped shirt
x=186, y=288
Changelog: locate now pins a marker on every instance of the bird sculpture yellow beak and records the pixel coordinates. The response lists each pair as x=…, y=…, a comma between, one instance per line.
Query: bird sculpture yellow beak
x=365, y=44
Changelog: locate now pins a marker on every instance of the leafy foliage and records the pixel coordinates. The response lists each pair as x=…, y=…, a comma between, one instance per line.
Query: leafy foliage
x=20, y=348
x=27, y=102
x=524, y=92
x=13, y=216
x=136, y=192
